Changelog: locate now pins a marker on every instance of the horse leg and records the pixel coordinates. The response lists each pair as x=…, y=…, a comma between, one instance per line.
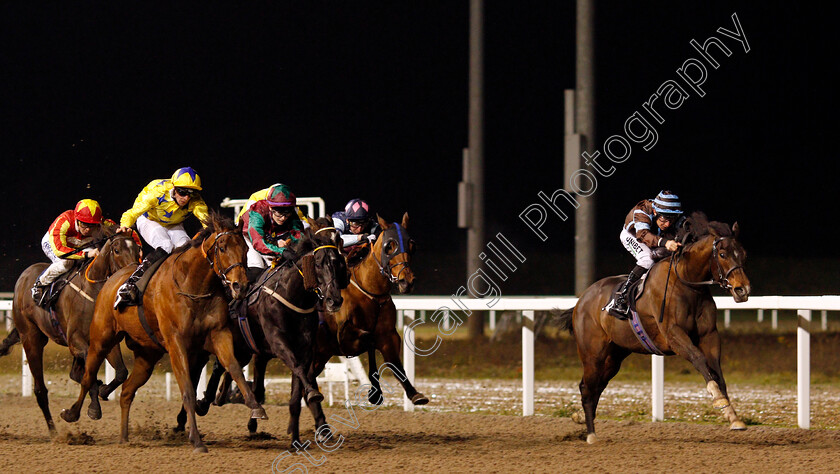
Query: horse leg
x=375, y=396
x=115, y=358
x=681, y=344
x=202, y=405
x=389, y=346
x=224, y=389
x=102, y=341
x=223, y=347
x=181, y=368
x=709, y=345
x=144, y=363
x=294, y=410
x=260, y=363
x=282, y=349
x=195, y=375
x=33, y=345
x=598, y=370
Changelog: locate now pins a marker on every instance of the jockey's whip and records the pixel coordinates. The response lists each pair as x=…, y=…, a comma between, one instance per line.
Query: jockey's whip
x=665, y=295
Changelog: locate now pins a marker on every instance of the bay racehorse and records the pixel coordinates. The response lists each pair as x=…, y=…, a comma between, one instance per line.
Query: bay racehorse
x=185, y=314
x=68, y=323
x=687, y=327
x=367, y=321
x=282, y=320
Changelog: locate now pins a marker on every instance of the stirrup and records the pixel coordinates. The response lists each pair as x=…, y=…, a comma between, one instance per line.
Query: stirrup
x=620, y=312
x=124, y=296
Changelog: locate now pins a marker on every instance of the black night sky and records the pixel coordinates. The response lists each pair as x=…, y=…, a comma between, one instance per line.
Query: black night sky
x=369, y=99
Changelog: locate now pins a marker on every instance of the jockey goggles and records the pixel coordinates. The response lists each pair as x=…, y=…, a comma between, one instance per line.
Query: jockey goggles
x=184, y=191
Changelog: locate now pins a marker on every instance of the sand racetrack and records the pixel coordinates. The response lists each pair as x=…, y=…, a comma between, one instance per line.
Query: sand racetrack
x=389, y=440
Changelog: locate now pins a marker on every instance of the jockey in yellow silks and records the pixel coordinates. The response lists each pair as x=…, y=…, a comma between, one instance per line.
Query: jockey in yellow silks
x=159, y=212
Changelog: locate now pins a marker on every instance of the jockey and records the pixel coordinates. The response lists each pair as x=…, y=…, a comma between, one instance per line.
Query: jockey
x=258, y=196
x=355, y=223
x=159, y=212
x=639, y=238
x=68, y=240
x=270, y=226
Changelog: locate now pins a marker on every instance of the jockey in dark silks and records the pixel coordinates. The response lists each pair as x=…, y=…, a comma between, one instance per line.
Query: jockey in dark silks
x=356, y=223
x=645, y=242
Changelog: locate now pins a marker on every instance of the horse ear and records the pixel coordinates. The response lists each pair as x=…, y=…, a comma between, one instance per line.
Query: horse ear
x=405, y=221
x=382, y=224
x=713, y=232
x=311, y=222
x=736, y=230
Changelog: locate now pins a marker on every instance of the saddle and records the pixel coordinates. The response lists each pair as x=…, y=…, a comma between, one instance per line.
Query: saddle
x=633, y=293
x=53, y=291
x=144, y=280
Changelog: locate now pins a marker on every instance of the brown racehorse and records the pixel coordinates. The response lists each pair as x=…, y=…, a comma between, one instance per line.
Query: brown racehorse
x=73, y=312
x=186, y=310
x=367, y=321
x=688, y=327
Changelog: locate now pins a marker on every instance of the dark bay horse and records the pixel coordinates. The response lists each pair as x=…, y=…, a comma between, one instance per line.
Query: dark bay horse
x=283, y=319
x=367, y=321
x=186, y=311
x=689, y=324
x=34, y=326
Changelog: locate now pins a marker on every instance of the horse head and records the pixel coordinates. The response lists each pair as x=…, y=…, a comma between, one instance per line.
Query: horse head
x=395, y=248
x=120, y=250
x=224, y=247
x=322, y=245
x=726, y=255
x=730, y=257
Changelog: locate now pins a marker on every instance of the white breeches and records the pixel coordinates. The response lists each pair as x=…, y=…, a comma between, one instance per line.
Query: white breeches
x=256, y=259
x=638, y=250
x=160, y=236
x=58, y=265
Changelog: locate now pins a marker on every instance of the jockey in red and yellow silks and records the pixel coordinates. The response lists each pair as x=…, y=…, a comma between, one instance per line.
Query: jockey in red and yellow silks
x=65, y=241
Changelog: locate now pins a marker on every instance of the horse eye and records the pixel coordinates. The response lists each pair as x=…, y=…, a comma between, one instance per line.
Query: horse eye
x=723, y=255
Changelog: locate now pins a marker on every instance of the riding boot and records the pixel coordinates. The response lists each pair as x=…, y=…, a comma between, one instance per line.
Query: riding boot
x=252, y=273
x=38, y=291
x=127, y=293
x=621, y=305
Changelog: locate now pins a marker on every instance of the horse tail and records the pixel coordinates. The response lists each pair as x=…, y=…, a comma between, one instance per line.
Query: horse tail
x=12, y=339
x=565, y=320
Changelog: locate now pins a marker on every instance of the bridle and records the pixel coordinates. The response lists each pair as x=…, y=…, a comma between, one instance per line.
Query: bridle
x=384, y=262
x=715, y=268
x=213, y=253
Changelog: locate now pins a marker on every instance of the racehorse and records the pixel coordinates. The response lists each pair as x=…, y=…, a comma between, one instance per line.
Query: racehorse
x=367, y=321
x=282, y=320
x=184, y=312
x=68, y=325
x=687, y=326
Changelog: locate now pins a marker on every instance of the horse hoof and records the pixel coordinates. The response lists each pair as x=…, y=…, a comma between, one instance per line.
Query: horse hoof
x=200, y=449
x=738, y=426
x=201, y=407
x=69, y=416
x=94, y=413
x=419, y=399
x=591, y=438
x=720, y=403
x=314, y=396
x=178, y=429
x=104, y=394
x=375, y=398
x=258, y=414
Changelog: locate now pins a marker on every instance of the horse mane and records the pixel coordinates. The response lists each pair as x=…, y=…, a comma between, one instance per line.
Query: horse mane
x=698, y=225
x=215, y=221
